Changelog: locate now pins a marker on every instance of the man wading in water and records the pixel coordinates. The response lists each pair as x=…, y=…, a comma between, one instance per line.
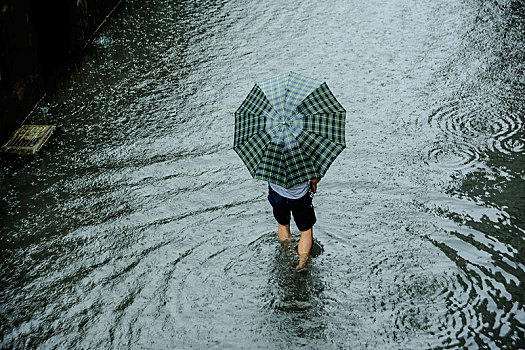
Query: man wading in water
x=298, y=200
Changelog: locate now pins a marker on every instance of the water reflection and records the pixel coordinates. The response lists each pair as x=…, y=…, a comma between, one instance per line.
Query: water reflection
x=480, y=136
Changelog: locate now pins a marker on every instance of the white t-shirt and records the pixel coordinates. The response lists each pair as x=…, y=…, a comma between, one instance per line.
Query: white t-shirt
x=294, y=192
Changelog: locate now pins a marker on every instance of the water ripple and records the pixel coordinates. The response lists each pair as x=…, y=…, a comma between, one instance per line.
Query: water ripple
x=486, y=126
x=138, y=226
x=458, y=156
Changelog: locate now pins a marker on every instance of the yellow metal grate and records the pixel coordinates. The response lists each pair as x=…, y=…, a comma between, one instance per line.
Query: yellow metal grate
x=28, y=139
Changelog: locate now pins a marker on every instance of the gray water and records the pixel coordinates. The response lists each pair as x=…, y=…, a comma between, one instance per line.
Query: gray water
x=137, y=226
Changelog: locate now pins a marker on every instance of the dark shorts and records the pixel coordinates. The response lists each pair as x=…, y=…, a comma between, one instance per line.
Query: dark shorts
x=302, y=209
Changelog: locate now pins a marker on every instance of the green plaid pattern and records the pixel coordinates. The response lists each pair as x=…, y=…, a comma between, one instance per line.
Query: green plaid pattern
x=321, y=151
x=253, y=151
x=324, y=116
x=289, y=129
x=285, y=92
x=249, y=117
x=272, y=168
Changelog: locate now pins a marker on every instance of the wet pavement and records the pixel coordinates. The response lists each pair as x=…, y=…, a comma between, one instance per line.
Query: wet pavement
x=137, y=226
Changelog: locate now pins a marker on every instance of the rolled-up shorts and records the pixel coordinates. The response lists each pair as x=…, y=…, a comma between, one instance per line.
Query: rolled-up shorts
x=302, y=209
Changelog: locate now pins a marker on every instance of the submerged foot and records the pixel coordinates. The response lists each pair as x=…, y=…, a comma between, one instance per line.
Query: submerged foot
x=303, y=259
x=283, y=234
x=285, y=241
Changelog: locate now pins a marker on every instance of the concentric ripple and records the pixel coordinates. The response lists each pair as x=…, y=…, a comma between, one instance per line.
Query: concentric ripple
x=458, y=156
x=467, y=130
x=472, y=122
x=510, y=136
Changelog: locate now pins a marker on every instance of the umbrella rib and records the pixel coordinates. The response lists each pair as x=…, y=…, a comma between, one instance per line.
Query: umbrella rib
x=325, y=109
x=258, y=163
x=319, y=96
x=255, y=116
x=267, y=160
x=325, y=124
x=253, y=101
x=252, y=125
x=260, y=111
x=289, y=129
x=325, y=138
x=337, y=148
x=243, y=109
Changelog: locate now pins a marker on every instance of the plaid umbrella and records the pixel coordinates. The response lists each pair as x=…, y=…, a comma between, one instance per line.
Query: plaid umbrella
x=289, y=129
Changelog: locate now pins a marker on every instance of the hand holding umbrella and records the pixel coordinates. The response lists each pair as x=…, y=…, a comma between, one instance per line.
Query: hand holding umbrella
x=288, y=131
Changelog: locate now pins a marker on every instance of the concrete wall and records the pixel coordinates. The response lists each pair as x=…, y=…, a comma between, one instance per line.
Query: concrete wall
x=37, y=37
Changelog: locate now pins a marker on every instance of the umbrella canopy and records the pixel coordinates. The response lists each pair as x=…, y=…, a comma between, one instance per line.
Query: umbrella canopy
x=289, y=129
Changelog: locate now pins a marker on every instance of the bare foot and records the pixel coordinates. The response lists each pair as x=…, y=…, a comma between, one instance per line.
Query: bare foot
x=283, y=234
x=304, y=247
x=303, y=259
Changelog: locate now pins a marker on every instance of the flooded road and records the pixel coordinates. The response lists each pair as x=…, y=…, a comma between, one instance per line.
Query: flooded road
x=137, y=226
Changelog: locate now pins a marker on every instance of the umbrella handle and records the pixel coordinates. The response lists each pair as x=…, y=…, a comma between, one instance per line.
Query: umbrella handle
x=313, y=184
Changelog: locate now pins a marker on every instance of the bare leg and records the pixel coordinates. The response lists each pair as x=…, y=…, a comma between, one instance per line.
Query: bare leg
x=304, y=247
x=283, y=232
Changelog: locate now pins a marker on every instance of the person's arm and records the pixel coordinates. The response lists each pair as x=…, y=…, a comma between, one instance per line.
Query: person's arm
x=313, y=184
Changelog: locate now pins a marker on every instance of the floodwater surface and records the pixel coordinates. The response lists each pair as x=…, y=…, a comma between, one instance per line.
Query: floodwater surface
x=137, y=226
